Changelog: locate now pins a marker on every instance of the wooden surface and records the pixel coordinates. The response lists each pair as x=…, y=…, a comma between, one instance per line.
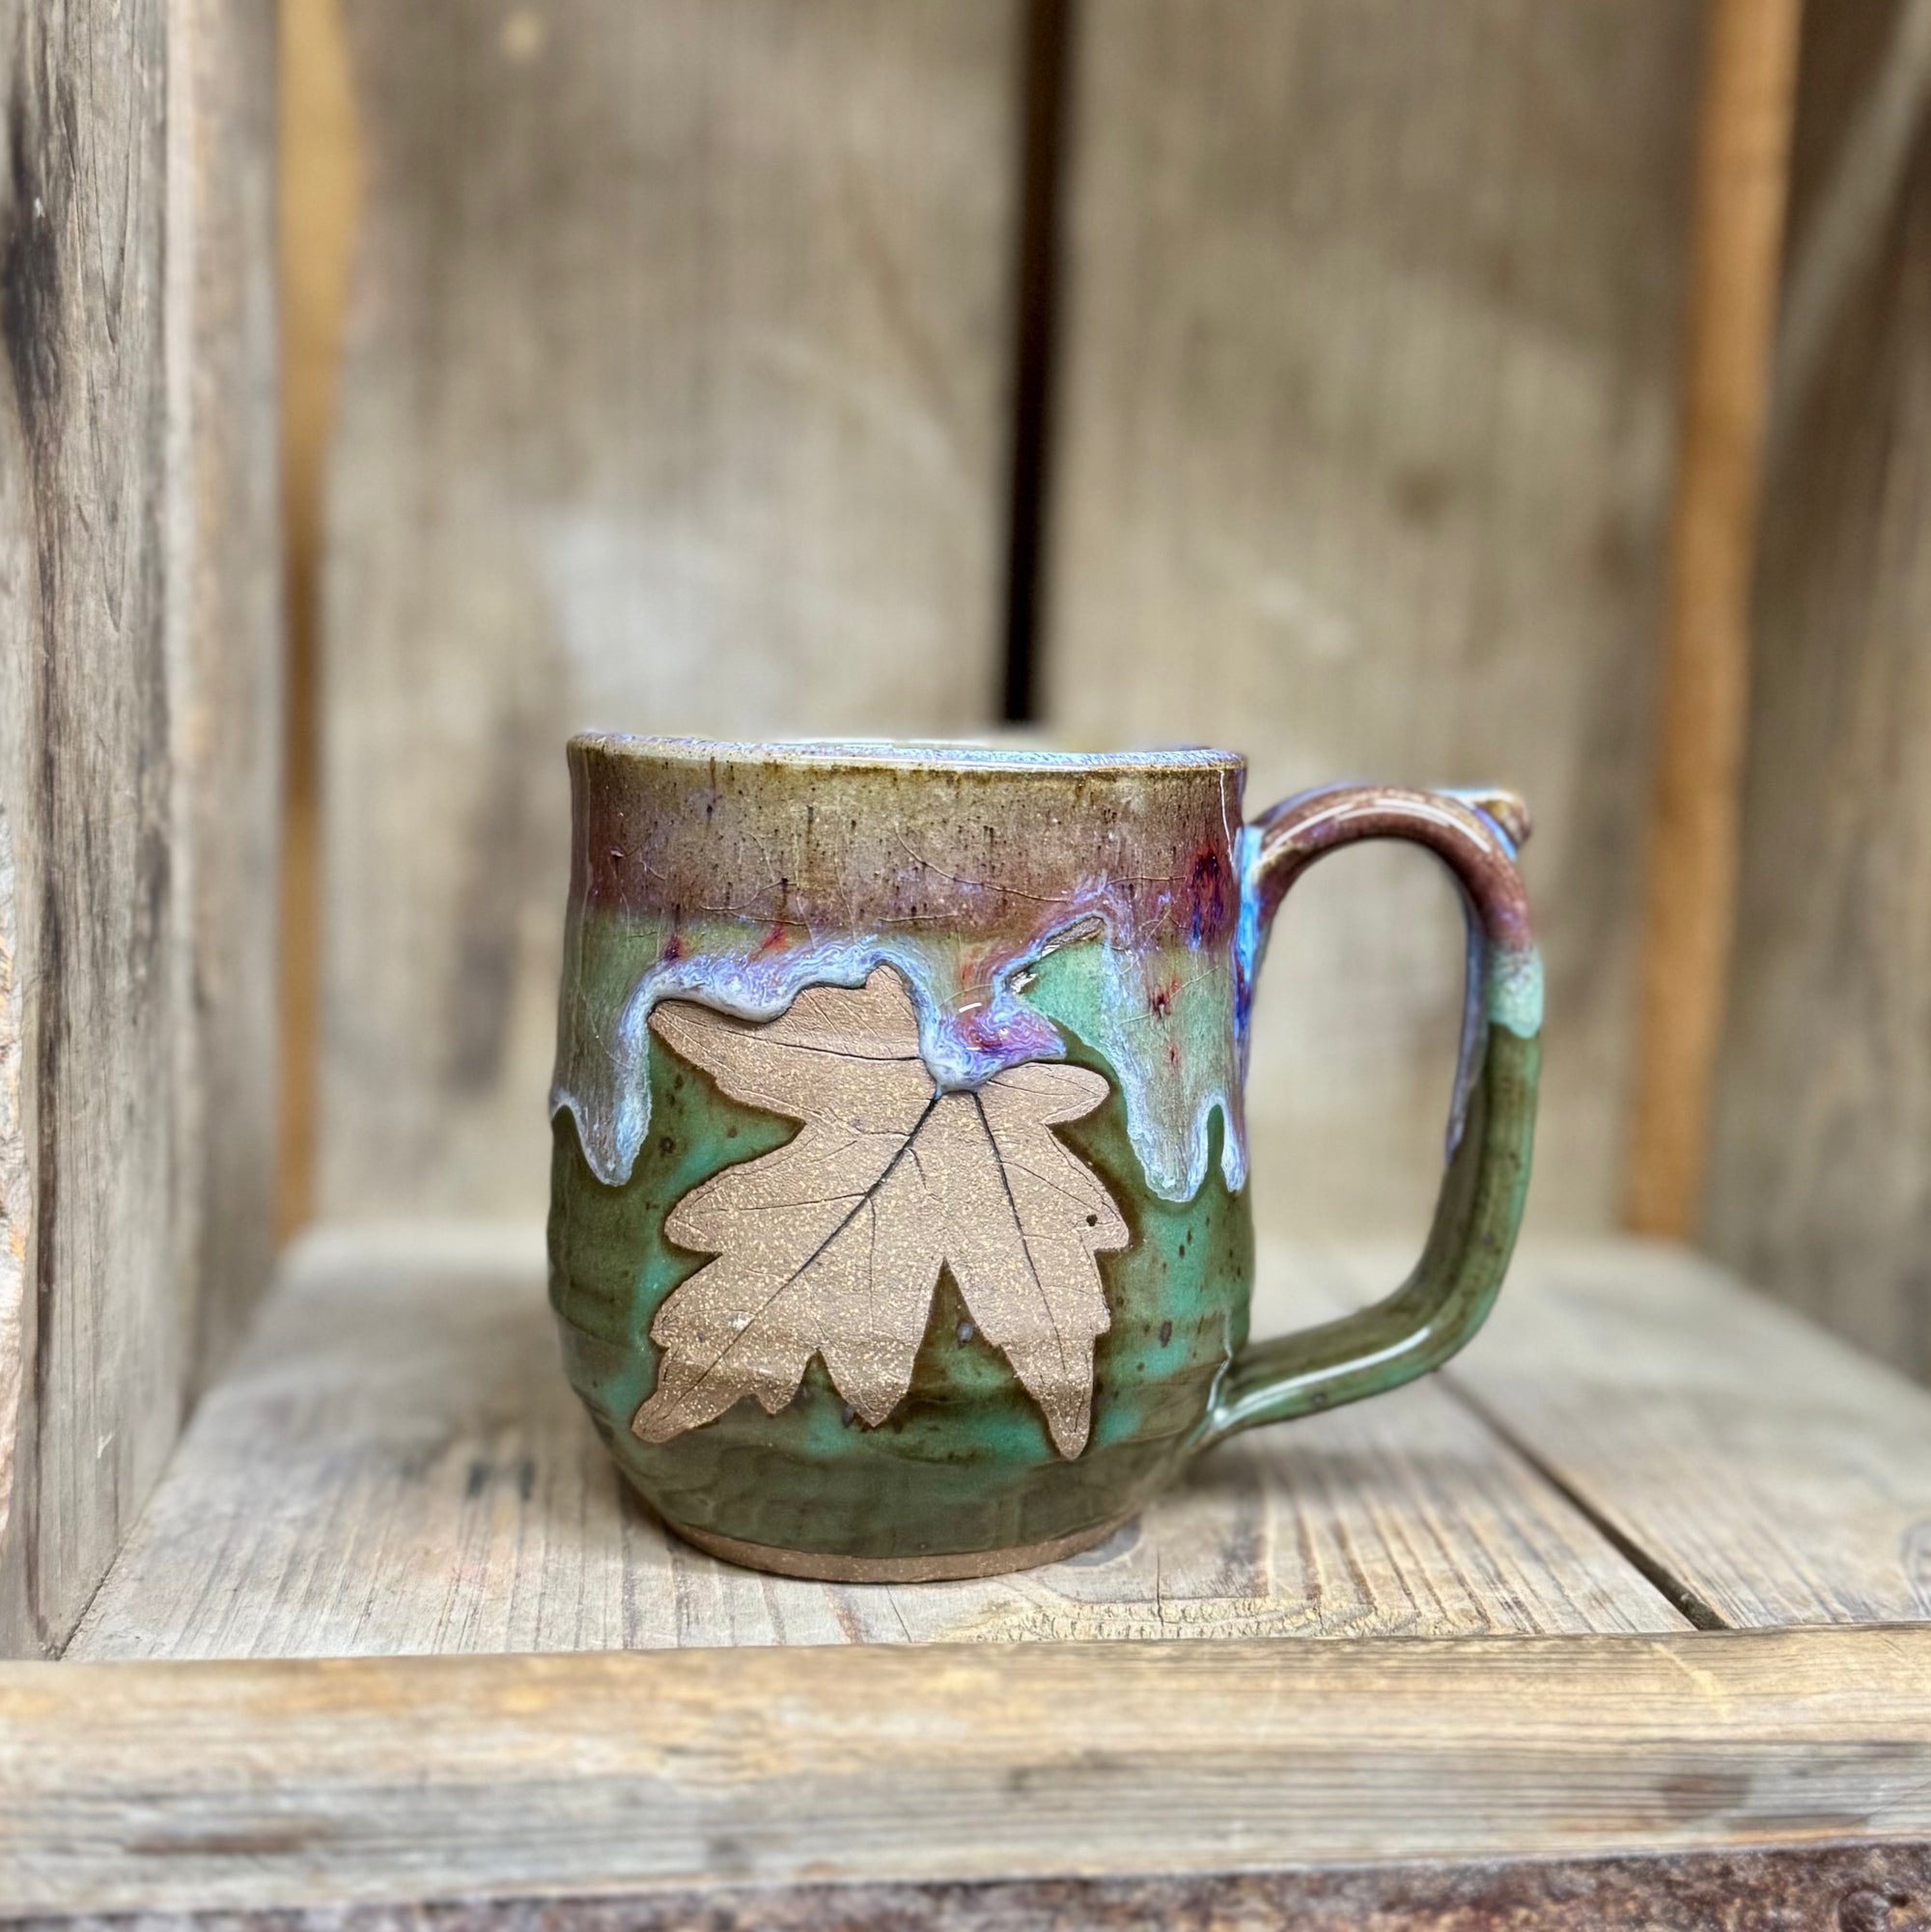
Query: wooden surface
x=1637, y=1444
x=1367, y=403
x=1766, y=1472
x=398, y=1466
x=672, y=401
x=432, y=1777
x=1750, y=78
x=1821, y=1183
x=136, y=752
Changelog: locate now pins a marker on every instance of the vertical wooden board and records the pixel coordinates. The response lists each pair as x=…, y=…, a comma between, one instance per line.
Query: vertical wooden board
x=17, y=1201
x=1743, y=154
x=673, y=401
x=136, y=712
x=225, y=613
x=1821, y=1170
x=319, y=196
x=1366, y=397
x=87, y=782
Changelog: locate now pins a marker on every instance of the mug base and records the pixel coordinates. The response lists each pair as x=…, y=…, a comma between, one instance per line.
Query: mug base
x=953, y=1566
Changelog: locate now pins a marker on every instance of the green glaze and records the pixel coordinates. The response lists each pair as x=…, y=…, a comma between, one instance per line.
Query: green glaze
x=964, y=1461
x=1447, y=1297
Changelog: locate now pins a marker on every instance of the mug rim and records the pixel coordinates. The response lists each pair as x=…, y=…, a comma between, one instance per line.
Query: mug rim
x=944, y=756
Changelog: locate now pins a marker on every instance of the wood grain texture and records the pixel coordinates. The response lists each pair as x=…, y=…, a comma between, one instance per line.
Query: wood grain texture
x=1750, y=74
x=1367, y=404
x=292, y=1783
x=1868, y=1888
x=1767, y=1473
x=674, y=401
x=85, y=774
x=1821, y=1183
x=1866, y=76
x=17, y=1199
x=224, y=624
x=397, y=1465
x=136, y=671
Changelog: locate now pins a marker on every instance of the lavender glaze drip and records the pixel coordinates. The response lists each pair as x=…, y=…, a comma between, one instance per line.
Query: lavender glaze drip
x=972, y=1024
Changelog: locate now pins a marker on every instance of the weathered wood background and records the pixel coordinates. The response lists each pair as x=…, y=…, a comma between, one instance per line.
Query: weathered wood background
x=1371, y=315
x=138, y=798
x=681, y=359
x=1822, y=1184
x=673, y=398
x=684, y=350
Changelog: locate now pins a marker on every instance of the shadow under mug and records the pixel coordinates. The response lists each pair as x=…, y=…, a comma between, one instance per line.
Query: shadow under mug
x=899, y=1221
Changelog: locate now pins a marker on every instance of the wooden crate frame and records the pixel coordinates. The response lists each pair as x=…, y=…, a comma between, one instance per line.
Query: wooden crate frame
x=259, y=1785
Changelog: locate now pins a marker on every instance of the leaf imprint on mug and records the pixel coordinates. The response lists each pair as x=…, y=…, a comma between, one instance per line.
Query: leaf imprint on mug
x=832, y=1244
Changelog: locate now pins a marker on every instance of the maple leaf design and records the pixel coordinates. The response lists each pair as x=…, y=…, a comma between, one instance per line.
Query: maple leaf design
x=832, y=1244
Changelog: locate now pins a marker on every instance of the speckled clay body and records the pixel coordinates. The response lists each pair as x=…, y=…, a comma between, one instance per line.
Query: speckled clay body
x=1108, y=913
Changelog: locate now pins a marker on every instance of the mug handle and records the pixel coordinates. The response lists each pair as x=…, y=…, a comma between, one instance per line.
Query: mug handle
x=1492, y=1121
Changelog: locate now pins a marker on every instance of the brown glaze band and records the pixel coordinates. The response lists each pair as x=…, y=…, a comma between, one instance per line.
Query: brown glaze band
x=821, y=1566
x=839, y=841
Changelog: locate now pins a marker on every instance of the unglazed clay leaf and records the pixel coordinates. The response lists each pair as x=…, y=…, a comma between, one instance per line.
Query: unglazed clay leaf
x=832, y=1244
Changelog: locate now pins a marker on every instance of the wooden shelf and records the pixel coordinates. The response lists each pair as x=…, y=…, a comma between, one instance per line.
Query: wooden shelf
x=1643, y=1574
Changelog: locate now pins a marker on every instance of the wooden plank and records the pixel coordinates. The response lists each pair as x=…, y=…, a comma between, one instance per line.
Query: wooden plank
x=319, y=189
x=292, y=1783
x=1821, y=1184
x=136, y=765
x=673, y=401
x=1367, y=407
x=15, y=1176
x=1767, y=1473
x=225, y=620
x=397, y=1465
x=1689, y=905
x=86, y=788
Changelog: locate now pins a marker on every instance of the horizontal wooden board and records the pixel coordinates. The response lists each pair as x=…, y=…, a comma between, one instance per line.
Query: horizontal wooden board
x=1768, y=1472
x=165, y=1785
x=397, y=1465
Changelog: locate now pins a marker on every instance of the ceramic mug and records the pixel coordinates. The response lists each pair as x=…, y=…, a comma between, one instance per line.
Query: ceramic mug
x=899, y=1223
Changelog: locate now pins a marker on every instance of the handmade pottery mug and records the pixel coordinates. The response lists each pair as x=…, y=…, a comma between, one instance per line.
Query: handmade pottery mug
x=899, y=1224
